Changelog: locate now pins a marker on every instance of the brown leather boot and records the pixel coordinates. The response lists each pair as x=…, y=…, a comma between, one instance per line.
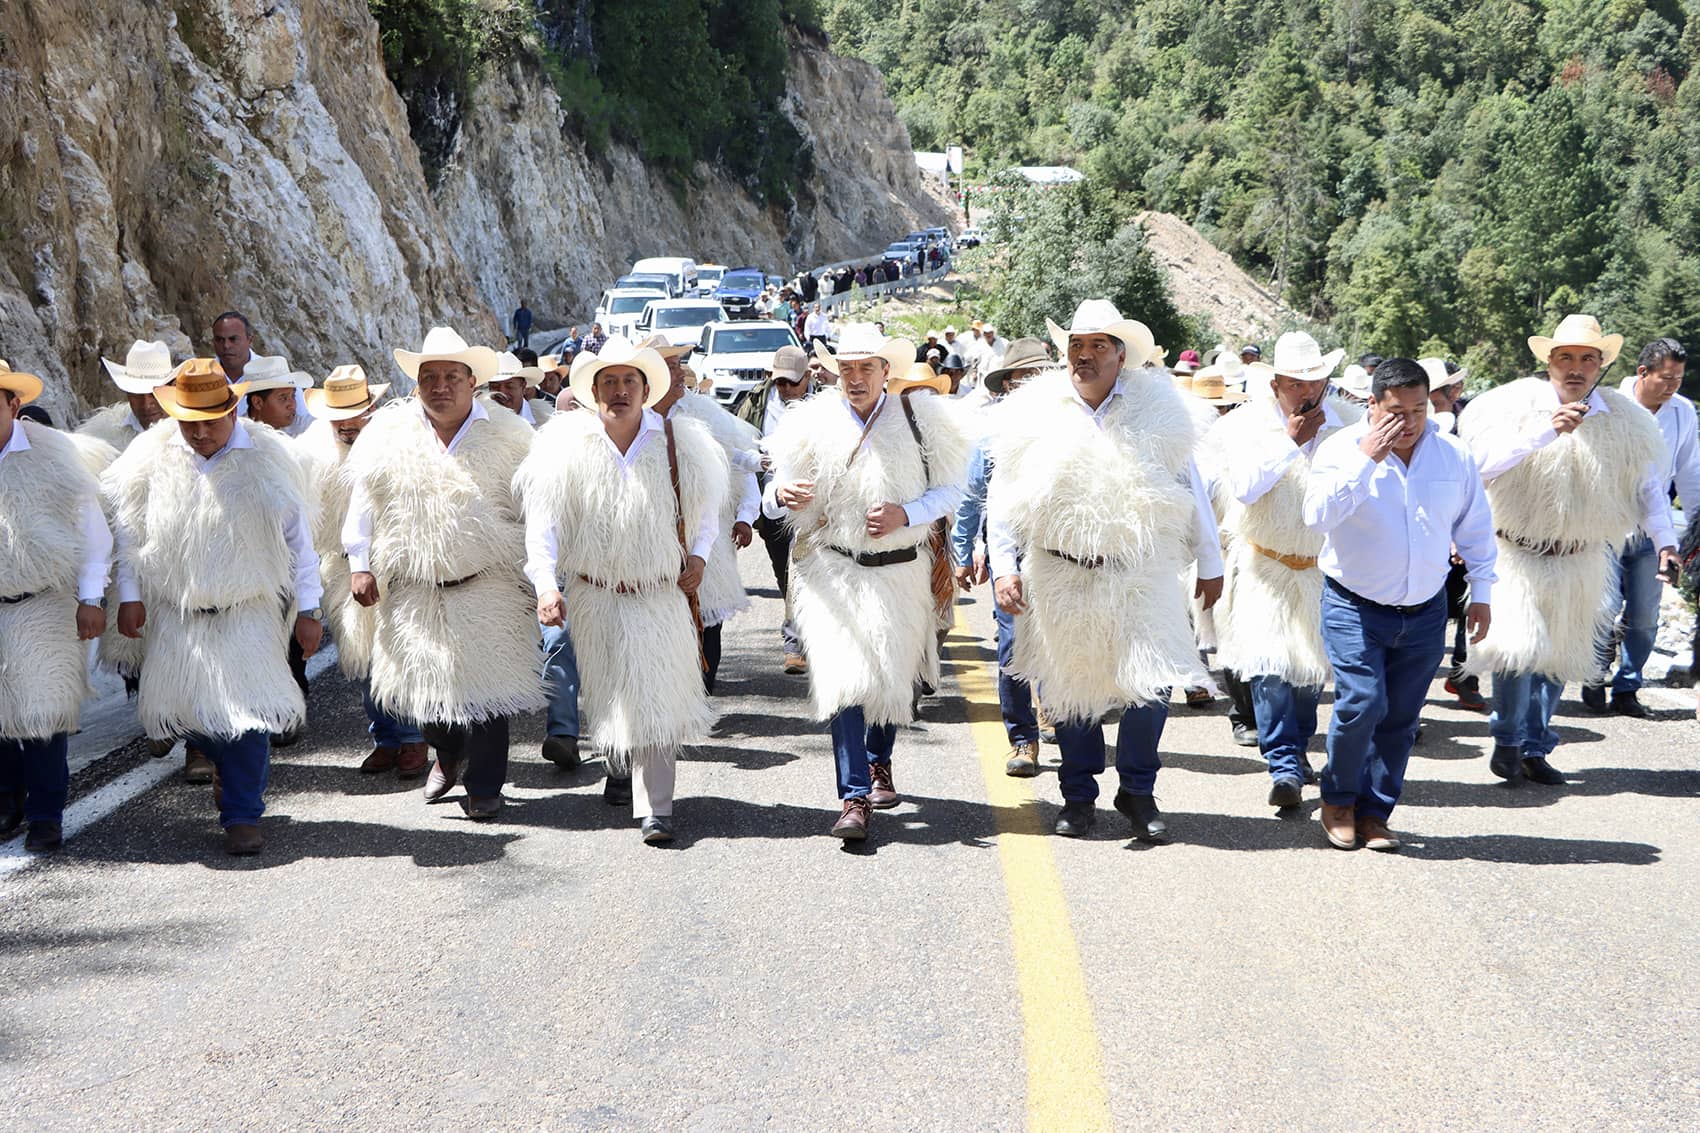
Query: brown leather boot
x=796, y=663
x=1023, y=761
x=852, y=824
x=379, y=761
x=443, y=777
x=411, y=760
x=243, y=838
x=1338, y=824
x=197, y=768
x=882, y=796
x=1375, y=834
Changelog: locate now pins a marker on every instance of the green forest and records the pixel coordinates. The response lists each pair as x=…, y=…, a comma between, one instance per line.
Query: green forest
x=1441, y=176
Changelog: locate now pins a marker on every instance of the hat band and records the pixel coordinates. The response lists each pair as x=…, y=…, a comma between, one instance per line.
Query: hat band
x=346, y=398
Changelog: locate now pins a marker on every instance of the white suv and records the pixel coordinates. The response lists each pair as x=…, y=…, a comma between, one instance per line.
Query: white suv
x=621, y=308
x=736, y=356
x=680, y=321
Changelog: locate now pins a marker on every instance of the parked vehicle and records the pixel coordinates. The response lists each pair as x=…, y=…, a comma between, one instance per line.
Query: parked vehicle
x=738, y=291
x=680, y=321
x=621, y=308
x=654, y=281
x=737, y=356
x=708, y=278
x=681, y=272
x=902, y=252
x=970, y=238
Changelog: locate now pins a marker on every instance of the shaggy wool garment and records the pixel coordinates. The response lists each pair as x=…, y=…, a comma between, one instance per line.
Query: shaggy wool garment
x=722, y=594
x=1269, y=618
x=868, y=631
x=43, y=673
x=216, y=574
x=464, y=652
x=102, y=437
x=639, y=659
x=352, y=626
x=1584, y=487
x=111, y=425
x=1099, y=637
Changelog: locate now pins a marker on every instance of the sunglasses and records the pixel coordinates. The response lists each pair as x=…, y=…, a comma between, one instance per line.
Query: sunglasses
x=791, y=381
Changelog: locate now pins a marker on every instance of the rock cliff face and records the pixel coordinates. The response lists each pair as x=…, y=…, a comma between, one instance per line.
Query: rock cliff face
x=163, y=161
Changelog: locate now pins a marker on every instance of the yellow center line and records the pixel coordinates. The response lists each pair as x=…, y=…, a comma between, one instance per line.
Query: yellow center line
x=1065, y=1071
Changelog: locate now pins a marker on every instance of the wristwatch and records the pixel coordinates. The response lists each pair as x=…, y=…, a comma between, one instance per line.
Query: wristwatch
x=101, y=603
x=315, y=613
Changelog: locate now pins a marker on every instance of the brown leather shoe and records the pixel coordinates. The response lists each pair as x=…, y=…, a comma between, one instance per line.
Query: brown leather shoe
x=379, y=761
x=796, y=663
x=1375, y=834
x=411, y=760
x=852, y=824
x=1337, y=823
x=482, y=808
x=1023, y=761
x=882, y=796
x=242, y=838
x=197, y=768
x=441, y=779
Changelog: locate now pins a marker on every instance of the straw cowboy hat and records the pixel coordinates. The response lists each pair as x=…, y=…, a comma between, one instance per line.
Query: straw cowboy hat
x=268, y=372
x=1210, y=385
x=619, y=351
x=1099, y=316
x=199, y=391
x=658, y=343
x=1438, y=378
x=863, y=340
x=508, y=367
x=1023, y=354
x=1298, y=356
x=1577, y=330
x=443, y=344
x=26, y=386
x=346, y=395
x=920, y=376
x=146, y=365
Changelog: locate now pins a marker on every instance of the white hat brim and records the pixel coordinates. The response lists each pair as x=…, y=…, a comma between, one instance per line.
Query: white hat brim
x=1132, y=334
x=1609, y=346
x=133, y=383
x=481, y=360
x=899, y=354
x=582, y=378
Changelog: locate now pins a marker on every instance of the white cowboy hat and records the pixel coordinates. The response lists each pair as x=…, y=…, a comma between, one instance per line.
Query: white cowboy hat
x=1577, y=330
x=1099, y=316
x=443, y=344
x=269, y=371
x=1298, y=356
x=863, y=340
x=619, y=351
x=508, y=366
x=1355, y=380
x=346, y=395
x=148, y=364
x=1438, y=378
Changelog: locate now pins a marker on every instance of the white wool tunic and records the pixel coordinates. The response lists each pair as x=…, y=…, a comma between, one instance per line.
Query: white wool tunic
x=722, y=594
x=351, y=625
x=617, y=526
x=115, y=426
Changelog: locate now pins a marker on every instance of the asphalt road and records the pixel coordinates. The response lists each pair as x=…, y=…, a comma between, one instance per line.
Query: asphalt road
x=1529, y=961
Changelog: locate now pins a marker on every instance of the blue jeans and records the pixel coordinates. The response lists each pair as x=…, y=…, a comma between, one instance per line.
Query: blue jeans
x=1081, y=743
x=38, y=768
x=1523, y=704
x=1637, y=585
x=560, y=673
x=1286, y=721
x=1015, y=698
x=855, y=745
x=385, y=728
x=244, y=768
x=1383, y=662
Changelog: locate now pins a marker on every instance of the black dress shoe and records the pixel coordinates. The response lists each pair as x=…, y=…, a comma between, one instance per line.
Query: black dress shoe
x=44, y=837
x=657, y=830
x=1628, y=704
x=617, y=791
x=1148, y=824
x=11, y=811
x=1594, y=698
x=1540, y=771
x=1286, y=793
x=562, y=751
x=1076, y=820
x=286, y=739
x=1311, y=777
x=1245, y=736
x=1507, y=763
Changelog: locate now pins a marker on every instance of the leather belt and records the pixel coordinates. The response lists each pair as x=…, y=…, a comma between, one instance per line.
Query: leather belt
x=453, y=582
x=1092, y=562
x=1548, y=548
x=14, y=599
x=1357, y=599
x=1291, y=562
x=616, y=587
x=879, y=558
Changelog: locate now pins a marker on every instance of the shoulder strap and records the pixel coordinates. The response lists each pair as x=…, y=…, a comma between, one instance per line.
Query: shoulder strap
x=915, y=431
x=679, y=517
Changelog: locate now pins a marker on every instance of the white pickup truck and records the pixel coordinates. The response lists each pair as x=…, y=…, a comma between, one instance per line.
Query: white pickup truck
x=621, y=307
x=680, y=321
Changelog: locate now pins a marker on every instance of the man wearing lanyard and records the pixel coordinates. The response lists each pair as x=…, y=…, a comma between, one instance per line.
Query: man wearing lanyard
x=1392, y=496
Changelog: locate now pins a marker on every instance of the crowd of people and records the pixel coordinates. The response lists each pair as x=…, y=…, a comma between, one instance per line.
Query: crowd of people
x=522, y=534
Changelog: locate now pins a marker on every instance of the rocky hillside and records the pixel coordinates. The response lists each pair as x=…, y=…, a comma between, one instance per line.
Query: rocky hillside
x=162, y=161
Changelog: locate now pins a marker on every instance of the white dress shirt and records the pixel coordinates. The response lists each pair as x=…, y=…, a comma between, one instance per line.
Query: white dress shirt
x=96, y=537
x=1004, y=555
x=542, y=541
x=1388, y=529
x=303, y=416
x=817, y=324
x=745, y=464
x=1498, y=451
x=1677, y=421
x=357, y=525
x=525, y=412
x=309, y=590
x=773, y=412
x=1248, y=475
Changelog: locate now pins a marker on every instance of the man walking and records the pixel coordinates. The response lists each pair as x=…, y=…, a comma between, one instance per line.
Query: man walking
x=787, y=383
x=522, y=326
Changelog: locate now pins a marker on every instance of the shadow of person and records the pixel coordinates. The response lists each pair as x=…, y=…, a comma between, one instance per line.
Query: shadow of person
x=191, y=839
x=1590, y=782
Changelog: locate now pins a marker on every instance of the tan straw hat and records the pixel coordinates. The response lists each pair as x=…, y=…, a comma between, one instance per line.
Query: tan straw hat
x=26, y=386
x=1577, y=330
x=658, y=343
x=1211, y=386
x=199, y=391
x=920, y=376
x=346, y=395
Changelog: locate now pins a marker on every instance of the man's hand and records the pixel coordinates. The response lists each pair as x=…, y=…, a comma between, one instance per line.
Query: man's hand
x=885, y=519
x=1566, y=417
x=1009, y=594
x=982, y=569
x=1208, y=591
x=308, y=633
x=91, y=621
x=795, y=496
x=1302, y=427
x=1670, y=566
x=964, y=576
x=363, y=585
x=1378, y=442
x=1476, y=620
x=691, y=577
x=742, y=533
x=132, y=616
x=551, y=609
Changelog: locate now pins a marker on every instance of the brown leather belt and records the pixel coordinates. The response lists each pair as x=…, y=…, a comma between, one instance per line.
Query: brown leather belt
x=615, y=587
x=14, y=599
x=878, y=558
x=453, y=582
x=1291, y=562
x=1092, y=562
x=1548, y=548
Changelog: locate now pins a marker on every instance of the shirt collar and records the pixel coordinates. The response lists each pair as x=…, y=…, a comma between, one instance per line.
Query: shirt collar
x=525, y=411
x=479, y=413
x=1549, y=396
x=1103, y=406
x=858, y=418
x=19, y=442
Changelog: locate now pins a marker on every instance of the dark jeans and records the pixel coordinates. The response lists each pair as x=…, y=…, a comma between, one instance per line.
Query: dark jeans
x=386, y=728
x=1523, y=704
x=1635, y=589
x=1015, y=697
x=1241, y=711
x=38, y=769
x=244, y=769
x=776, y=537
x=1081, y=744
x=710, y=656
x=297, y=664
x=855, y=745
x=1286, y=721
x=481, y=748
x=560, y=674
